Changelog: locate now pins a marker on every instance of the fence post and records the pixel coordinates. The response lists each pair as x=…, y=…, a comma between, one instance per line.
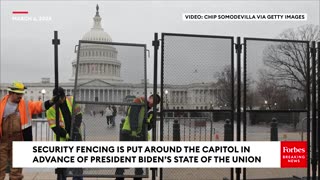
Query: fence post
x=176, y=130
x=274, y=130
x=228, y=131
x=121, y=125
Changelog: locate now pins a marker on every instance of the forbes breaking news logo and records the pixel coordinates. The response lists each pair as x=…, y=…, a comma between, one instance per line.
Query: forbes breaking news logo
x=293, y=154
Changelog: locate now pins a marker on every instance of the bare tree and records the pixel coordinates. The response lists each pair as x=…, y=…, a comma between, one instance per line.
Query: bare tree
x=271, y=94
x=224, y=83
x=288, y=60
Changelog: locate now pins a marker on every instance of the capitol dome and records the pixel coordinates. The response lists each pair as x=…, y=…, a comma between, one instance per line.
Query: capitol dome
x=96, y=33
x=97, y=61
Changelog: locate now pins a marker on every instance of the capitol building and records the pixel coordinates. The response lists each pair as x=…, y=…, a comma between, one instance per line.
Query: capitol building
x=100, y=79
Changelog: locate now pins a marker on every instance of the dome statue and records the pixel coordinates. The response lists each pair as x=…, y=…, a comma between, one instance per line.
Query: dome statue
x=96, y=33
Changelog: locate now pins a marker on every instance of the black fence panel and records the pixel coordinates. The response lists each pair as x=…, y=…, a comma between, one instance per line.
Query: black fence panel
x=276, y=97
x=197, y=86
x=318, y=102
x=108, y=76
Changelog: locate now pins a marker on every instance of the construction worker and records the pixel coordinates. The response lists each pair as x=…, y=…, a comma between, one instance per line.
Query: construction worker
x=15, y=125
x=64, y=130
x=135, y=125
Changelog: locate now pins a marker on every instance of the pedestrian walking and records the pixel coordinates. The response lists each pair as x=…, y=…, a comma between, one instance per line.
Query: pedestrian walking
x=109, y=115
x=114, y=114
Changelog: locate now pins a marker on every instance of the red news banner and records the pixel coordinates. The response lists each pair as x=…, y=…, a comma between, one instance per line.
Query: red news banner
x=294, y=154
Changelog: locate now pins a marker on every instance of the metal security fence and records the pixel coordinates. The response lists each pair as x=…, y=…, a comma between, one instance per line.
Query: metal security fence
x=188, y=129
x=120, y=75
x=195, y=126
x=270, y=101
x=276, y=96
x=41, y=130
x=204, y=96
x=197, y=79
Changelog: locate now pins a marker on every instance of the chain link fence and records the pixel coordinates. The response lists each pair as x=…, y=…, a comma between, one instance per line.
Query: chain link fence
x=198, y=90
x=276, y=77
x=108, y=76
x=197, y=82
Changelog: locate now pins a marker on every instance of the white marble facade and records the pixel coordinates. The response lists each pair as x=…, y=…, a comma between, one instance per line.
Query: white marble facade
x=99, y=79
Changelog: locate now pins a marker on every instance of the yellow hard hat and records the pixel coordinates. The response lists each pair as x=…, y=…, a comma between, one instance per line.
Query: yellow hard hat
x=17, y=87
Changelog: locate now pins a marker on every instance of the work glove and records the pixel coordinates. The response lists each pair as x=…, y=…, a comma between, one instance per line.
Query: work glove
x=66, y=137
x=54, y=99
x=61, y=132
x=134, y=134
x=51, y=102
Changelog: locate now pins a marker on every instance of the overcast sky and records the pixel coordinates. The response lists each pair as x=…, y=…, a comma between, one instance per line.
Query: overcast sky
x=27, y=52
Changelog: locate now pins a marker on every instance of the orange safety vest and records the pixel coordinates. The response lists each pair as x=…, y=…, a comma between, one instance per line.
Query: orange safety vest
x=26, y=110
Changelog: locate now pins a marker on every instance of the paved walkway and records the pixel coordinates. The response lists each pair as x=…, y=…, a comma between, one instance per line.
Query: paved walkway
x=49, y=174
x=184, y=174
